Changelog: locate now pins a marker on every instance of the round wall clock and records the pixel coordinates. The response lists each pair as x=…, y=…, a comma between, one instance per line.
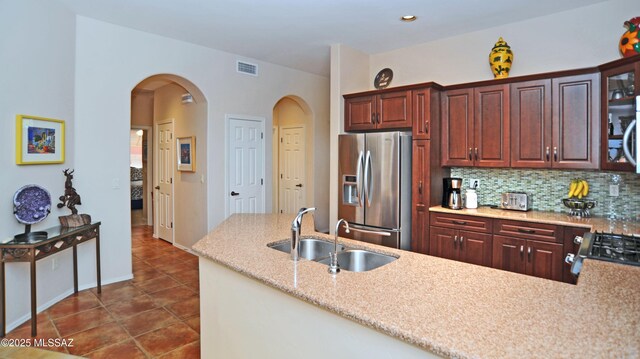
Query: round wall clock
x=383, y=78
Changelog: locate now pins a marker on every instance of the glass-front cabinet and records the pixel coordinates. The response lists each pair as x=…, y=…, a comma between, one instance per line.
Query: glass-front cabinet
x=620, y=85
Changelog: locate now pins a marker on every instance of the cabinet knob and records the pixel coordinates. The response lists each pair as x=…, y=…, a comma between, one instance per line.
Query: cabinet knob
x=547, y=153
x=570, y=258
x=476, y=150
x=521, y=249
x=529, y=253
x=470, y=155
x=555, y=154
x=426, y=126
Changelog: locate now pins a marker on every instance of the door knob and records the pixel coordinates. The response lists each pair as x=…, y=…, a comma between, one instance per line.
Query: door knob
x=299, y=185
x=233, y=193
x=157, y=187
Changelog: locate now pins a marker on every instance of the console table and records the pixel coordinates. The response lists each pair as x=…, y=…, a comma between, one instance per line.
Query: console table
x=58, y=239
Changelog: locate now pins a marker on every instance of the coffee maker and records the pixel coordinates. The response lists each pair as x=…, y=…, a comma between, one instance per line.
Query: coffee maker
x=451, y=196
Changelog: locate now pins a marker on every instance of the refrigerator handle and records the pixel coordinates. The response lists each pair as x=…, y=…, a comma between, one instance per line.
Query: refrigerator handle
x=360, y=190
x=367, y=174
x=625, y=142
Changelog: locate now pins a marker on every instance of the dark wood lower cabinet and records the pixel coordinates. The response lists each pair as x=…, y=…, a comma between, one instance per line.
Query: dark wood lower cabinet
x=508, y=254
x=420, y=229
x=460, y=245
x=539, y=259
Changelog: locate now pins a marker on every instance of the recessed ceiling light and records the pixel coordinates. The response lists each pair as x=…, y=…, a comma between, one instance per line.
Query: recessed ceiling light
x=408, y=18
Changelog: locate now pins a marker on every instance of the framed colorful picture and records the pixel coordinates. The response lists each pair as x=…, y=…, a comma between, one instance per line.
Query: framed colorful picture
x=186, y=154
x=39, y=140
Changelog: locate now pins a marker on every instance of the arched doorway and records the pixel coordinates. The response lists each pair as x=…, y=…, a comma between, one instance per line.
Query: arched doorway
x=293, y=163
x=171, y=112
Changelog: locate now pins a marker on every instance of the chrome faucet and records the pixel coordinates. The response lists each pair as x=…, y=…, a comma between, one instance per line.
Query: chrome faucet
x=334, y=267
x=296, y=226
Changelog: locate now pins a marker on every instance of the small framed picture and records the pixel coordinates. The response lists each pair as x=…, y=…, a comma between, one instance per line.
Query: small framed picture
x=39, y=140
x=186, y=154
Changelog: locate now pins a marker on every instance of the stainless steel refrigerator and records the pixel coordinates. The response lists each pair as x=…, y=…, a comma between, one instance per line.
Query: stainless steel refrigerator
x=375, y=187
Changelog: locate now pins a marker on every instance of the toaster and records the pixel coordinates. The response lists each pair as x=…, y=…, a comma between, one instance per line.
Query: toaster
x=517, y=201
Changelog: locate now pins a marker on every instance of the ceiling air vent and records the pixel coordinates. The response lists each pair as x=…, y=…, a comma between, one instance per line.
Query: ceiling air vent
x=247, y=68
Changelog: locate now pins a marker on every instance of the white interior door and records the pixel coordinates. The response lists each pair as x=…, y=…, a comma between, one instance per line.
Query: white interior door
x=246, y=162
x=164, y=186
x=292, y=169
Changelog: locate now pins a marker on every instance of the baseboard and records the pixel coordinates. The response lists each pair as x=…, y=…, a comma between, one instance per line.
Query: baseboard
x=16, y=323
x=186, y=249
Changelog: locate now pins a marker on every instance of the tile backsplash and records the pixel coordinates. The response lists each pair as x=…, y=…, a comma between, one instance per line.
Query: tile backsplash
x=549, y=187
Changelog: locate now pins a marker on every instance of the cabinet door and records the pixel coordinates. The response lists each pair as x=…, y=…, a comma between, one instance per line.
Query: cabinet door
x=615, y=112
x=443, y=242
x=393, y=110
x=531, y=124
x=508, y=254
x=359, y=113
x=575, y=122
x=457, y=127
x=475, y=248
x=491, y=126
x=545, y=260
x=420, y=196
x=424, y=103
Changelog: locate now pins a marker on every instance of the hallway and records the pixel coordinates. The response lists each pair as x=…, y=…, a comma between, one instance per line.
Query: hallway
x=154, y=315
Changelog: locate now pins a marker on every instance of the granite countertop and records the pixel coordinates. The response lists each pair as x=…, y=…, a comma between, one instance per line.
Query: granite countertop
x=451, y=308
x=594, y=224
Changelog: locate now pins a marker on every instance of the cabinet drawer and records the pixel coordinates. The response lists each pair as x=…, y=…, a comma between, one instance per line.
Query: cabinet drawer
x=528, y=230
x=469, y=223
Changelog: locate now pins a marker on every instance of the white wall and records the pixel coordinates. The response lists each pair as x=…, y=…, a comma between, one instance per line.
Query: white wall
x=37, y=62
x=189, y=188
x=584, y=37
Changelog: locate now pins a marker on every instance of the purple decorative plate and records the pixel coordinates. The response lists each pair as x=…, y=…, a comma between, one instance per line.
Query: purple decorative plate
x=31, y=204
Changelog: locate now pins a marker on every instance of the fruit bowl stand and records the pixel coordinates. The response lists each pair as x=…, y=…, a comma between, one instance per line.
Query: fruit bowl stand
x=579, y=207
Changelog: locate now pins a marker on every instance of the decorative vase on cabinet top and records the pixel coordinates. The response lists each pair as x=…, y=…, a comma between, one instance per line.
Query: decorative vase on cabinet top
x=500, y=59
x=630, y=40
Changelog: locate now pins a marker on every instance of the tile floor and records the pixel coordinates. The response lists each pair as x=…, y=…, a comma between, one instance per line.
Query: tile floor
x=154, y=315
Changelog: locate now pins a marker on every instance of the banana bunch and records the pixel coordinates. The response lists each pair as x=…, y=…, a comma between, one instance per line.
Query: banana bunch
x=578, y=188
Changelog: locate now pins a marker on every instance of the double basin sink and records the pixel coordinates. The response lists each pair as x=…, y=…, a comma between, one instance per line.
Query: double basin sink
x=353, y=260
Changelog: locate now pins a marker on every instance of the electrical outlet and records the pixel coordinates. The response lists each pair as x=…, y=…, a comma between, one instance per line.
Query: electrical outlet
x=614, y=190
x=54, y=263
x=474, y=183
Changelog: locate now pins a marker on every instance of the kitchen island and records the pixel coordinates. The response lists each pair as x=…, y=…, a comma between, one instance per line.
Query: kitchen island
x=256, y=301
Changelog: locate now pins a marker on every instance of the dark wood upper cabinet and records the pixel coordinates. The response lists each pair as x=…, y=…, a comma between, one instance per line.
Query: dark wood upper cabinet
x=531, y=124
x=457, y=127
x=491, y=126
x=426, y=113
x=575, y=121
x=475, y=127
x=389, y=110
x=617, y=80
x=554, y=123
x=359, y=113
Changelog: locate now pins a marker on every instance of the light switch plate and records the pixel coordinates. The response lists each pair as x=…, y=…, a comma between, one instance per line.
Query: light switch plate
x=474, y=183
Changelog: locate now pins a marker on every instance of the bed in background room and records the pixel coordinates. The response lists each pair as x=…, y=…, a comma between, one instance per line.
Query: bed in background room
x=136, y=188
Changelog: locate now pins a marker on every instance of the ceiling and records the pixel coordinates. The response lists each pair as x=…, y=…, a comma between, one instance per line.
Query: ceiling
x=298, y=33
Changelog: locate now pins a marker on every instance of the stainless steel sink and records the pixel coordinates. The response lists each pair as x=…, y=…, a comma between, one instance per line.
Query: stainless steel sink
x=310, y=248
x=357, y=260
